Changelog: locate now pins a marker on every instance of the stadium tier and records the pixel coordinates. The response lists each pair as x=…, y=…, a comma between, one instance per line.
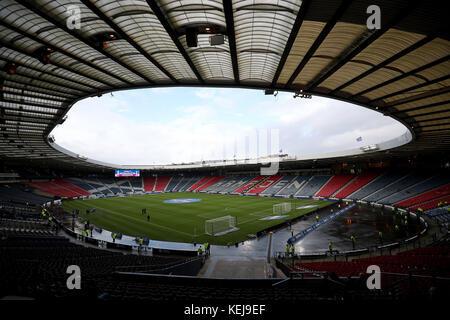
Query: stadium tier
x=209, y=183
x=401, y=184
x=247, y=186
x=173, y=183
x=356, y=184
x=334, y=184
x=162, y=182
x=53, y=188
x=403, y=190
x=313, y=185
x=149, y=183
x=377, y=184
x=264, y=184
x=425, y=197
x=199, y=183
x=417, y=261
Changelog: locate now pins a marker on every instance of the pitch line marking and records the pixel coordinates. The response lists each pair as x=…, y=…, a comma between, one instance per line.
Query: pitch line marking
x=140, y=221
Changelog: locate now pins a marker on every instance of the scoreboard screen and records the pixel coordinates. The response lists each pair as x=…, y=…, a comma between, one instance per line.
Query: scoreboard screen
x=127, y=173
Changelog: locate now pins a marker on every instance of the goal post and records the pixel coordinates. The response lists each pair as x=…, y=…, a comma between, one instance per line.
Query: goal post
x=220, y=226
x=281, y=208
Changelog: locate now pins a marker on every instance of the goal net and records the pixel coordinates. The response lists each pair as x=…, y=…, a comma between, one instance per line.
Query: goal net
x=220, y=226
x=281, y=208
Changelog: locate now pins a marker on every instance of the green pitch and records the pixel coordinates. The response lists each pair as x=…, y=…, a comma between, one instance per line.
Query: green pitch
x=185, y=222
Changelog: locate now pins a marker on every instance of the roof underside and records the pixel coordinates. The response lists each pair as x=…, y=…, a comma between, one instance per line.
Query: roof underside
x=322, y=47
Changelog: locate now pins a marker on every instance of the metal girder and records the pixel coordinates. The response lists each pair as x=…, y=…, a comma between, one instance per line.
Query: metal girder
x=61, y=26
x=158, y=13
x=229, y=19
x=124, y=36
x=352, y=52
x=404, y=75
x=388, y=61
x=322, y=36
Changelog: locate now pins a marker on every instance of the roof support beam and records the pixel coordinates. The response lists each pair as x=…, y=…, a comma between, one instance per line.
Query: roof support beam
x=388, y=61
x=418, y=86
x=63, y=88
x=64, y=53
x=44, y=71
x=352, y=51
x=158, y=13
x=323, y=34
x=421, y=108
x=404, y=75
x=30, y=111
x=18, y=117
x=292, y=36
x=61, y=26
x=28, y=95
x=124, y=36
x=38, y=105
x=30, y=84
x=228, y=11
x=68, y=54
x=433, y=119
x=426, y=95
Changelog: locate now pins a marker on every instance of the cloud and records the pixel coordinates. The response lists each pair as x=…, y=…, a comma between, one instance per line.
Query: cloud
x=118, y=130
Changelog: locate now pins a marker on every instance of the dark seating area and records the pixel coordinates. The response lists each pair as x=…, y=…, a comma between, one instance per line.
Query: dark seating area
x=423, y=267
x=35, y=266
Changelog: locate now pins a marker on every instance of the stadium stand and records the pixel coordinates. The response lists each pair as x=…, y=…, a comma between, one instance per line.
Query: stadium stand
x=232, y=183
x=431, y=204
x=337, y=182
x=395, y=187
x=124, y=185
x=200, y=183
x=52, y=188
x=19, y=193
x=425, y=197
x=356, y=184
x=278, y=185
x=173, y=183
x=419, y=188
x=294, y=186
x=376, y=184
x=149, y=183
x=247, y=186
x=313, y=185
x=70, y=186
x=440, y=214
x=260, y=187
x=162, y=182
x=189, y=182
x=137, y=184
x=80, y=183
x=209, y=183
x=30, y=264
x=421, y=261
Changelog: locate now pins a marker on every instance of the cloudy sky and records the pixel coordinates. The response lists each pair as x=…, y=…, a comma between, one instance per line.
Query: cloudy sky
x=175, y=125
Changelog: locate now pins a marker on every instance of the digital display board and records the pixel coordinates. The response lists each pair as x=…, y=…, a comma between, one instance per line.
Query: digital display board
x=127, y=173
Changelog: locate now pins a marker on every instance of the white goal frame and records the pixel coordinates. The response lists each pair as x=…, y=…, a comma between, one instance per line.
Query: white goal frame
x=220, y=226
x=281, y=208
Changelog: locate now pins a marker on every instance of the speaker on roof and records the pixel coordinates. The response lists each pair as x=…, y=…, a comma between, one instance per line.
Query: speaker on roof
x=191, y=37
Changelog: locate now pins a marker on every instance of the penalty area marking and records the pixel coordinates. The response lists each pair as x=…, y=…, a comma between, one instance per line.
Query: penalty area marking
x=307, y=207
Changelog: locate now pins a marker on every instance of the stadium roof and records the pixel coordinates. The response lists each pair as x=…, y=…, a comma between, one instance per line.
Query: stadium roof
x=321, y=47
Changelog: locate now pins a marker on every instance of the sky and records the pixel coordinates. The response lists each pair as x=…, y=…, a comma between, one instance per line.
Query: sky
x=181, y=125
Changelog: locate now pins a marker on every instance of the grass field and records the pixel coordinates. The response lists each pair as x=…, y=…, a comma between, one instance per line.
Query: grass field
x=185, y=222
